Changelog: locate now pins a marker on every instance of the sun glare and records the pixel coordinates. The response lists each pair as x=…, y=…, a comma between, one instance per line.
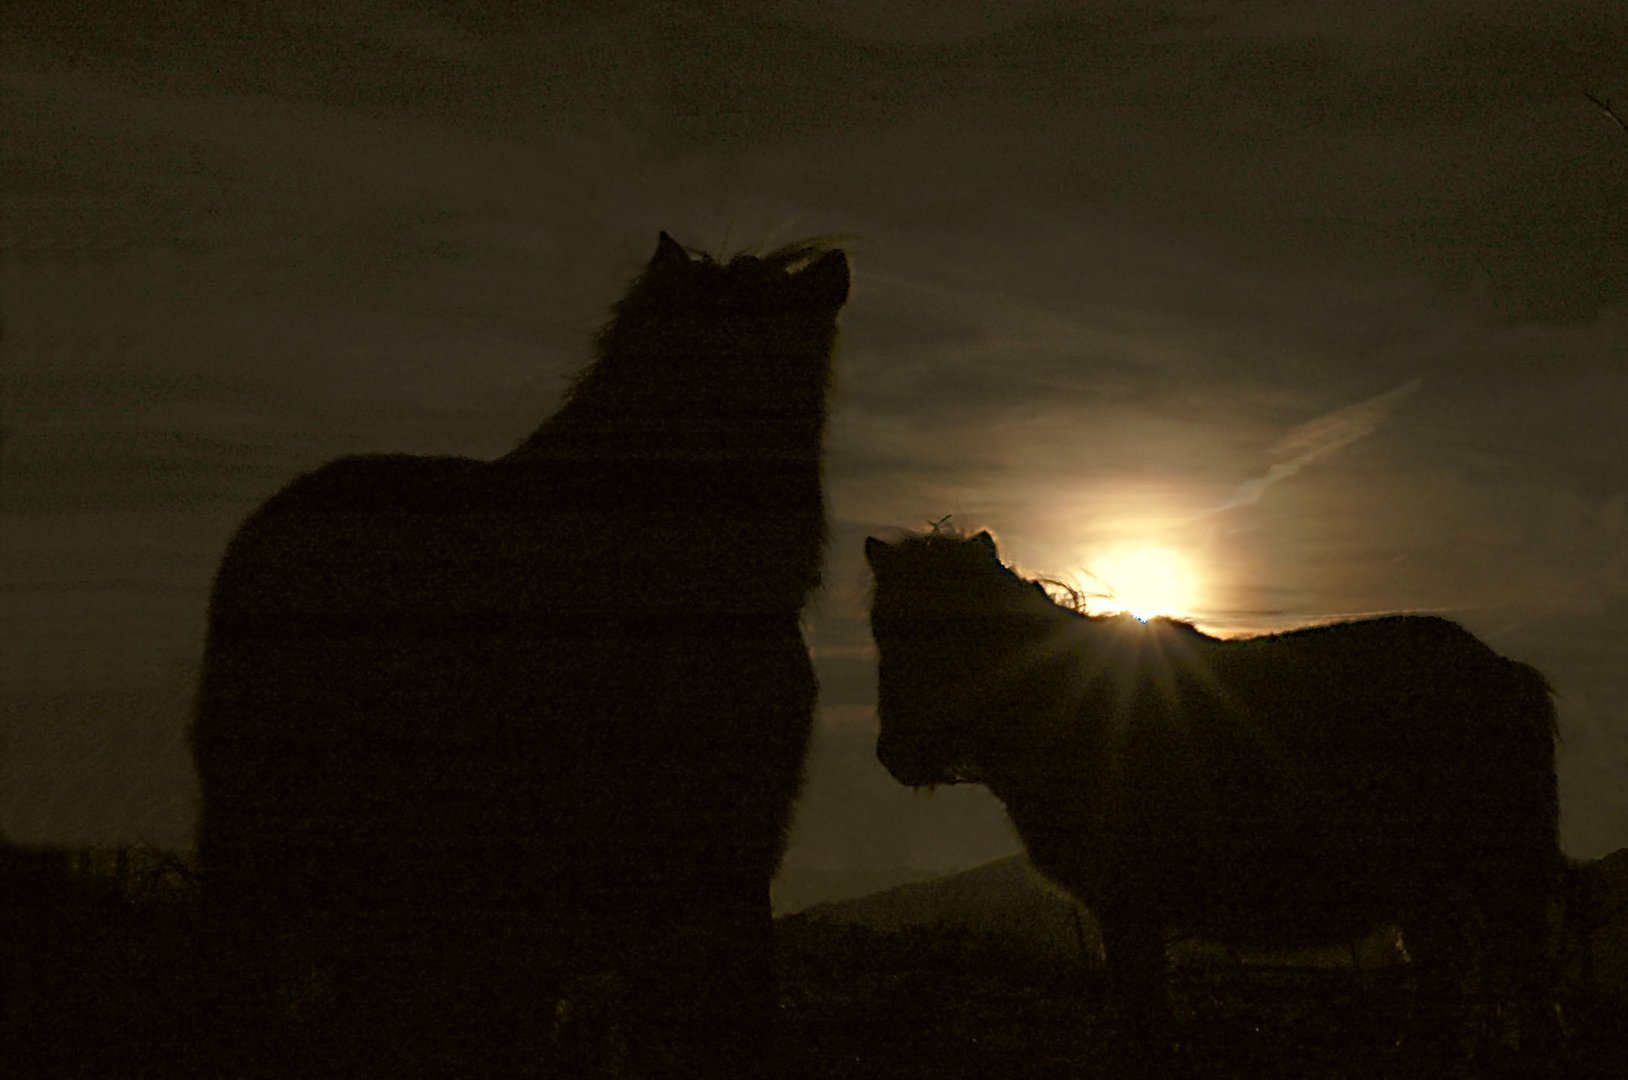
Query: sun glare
x=1145, y=581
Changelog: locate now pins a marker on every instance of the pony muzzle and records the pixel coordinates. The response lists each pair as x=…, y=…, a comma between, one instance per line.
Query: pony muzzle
x=907, y=764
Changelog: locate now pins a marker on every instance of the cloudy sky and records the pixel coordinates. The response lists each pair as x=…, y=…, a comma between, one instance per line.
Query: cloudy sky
x=1330, y=302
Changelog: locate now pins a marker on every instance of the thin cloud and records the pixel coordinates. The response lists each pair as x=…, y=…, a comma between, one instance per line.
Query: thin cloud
x=1318, y=439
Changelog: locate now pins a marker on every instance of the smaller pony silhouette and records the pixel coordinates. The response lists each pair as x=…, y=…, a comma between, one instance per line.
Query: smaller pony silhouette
x=472, y=733
x=1299, y=788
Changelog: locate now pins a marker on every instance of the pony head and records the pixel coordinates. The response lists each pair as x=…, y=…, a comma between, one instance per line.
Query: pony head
x=741, y=346
x=947, y=616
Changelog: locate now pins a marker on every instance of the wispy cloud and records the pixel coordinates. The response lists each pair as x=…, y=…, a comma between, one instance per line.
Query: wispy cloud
x=1318, y=439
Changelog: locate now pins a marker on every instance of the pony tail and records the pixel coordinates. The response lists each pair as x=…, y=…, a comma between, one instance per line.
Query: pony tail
x=1532, y=801
x=1582, y=892
x=1535, y=713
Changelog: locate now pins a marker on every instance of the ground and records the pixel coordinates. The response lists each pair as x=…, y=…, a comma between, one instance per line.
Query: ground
x=112, y=978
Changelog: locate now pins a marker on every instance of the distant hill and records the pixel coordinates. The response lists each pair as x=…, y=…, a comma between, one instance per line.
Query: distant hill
x=796, y=888
x=1004, y=898
x=1008, y=899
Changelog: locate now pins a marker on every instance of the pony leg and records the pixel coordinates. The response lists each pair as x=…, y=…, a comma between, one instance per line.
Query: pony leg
x=701, y=989
x=1522, y=983
x=1134, y=948
x=1439, y=945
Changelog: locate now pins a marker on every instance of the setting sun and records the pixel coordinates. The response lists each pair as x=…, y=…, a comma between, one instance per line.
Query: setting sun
x=1145, y=581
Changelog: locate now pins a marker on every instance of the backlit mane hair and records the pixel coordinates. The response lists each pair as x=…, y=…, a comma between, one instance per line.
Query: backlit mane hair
x=943, y=542
x=649, y=297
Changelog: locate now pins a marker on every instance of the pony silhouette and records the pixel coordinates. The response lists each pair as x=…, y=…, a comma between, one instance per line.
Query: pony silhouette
x=1298, y=788
x=471, y=734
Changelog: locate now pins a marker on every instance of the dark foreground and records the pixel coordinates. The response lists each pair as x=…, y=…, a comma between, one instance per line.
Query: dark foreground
x=105, y=973
x=860, y=1004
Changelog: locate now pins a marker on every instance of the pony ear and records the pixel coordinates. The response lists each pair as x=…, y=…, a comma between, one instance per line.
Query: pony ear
x=987, y=542
x=669, y=253
x=875, y=551
x=826, y=279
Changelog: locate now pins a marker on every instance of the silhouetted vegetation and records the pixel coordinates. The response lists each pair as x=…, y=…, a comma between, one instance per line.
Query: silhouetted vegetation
x=927, y=1002
x=102, y=973
x=945, y=1003
x=114, y=977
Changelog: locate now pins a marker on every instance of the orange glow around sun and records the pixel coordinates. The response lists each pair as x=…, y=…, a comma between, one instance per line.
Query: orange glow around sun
x=1144, y=580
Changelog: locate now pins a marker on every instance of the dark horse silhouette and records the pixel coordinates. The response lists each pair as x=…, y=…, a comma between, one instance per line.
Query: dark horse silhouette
x=1274, y=791
x=472, y=733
